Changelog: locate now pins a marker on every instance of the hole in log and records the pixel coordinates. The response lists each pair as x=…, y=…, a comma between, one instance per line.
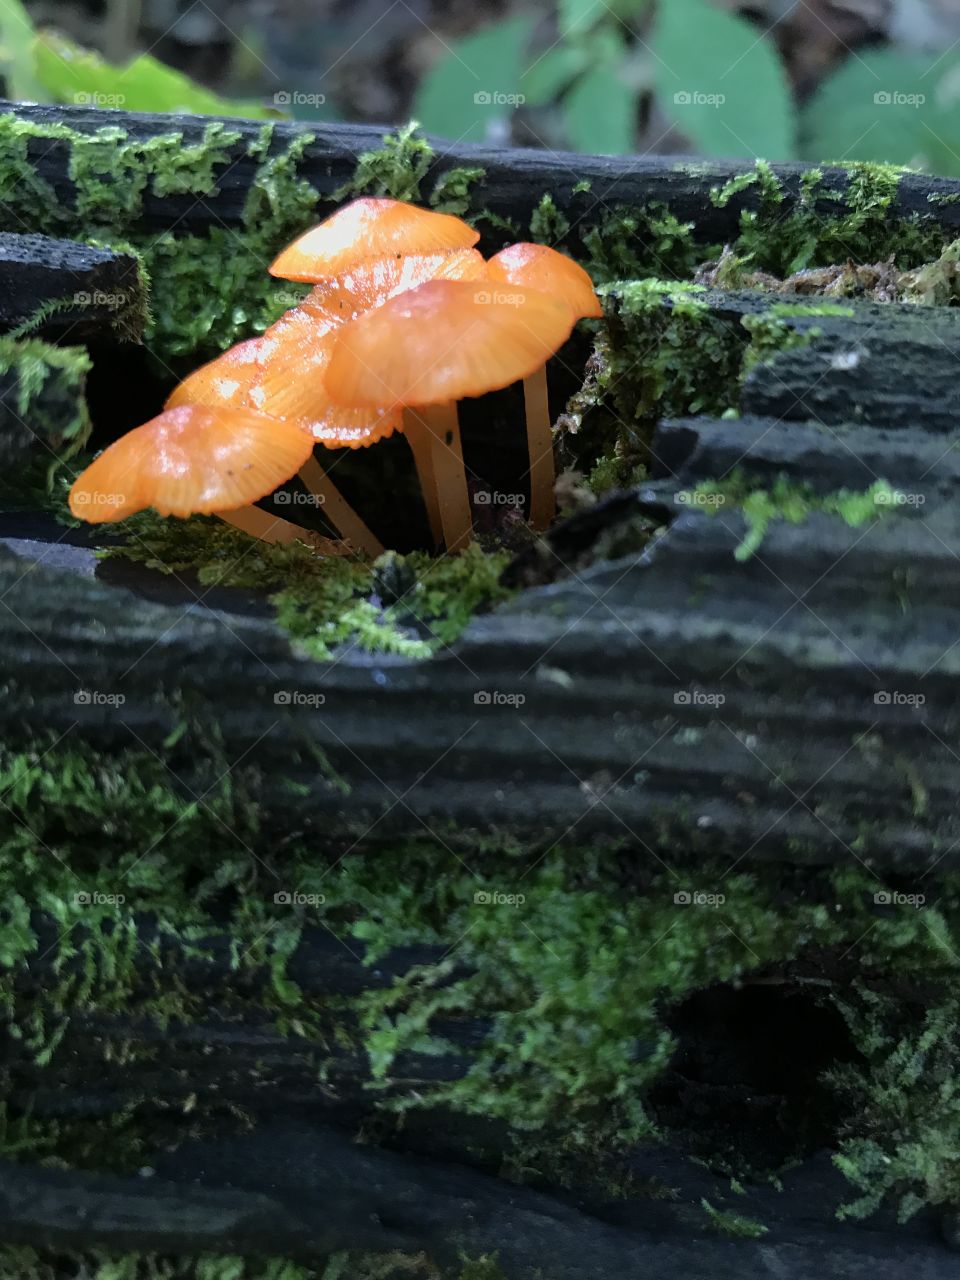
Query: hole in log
x=745, y=1084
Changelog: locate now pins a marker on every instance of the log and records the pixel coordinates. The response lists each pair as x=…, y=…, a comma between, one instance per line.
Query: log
x=72, y=291
x=514, y=182
x=323, y=1193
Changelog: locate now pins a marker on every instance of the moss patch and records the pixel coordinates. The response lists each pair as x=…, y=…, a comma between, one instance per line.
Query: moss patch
x=409, y=605
x=762, y=504
x=541, y=952
x=45, y=385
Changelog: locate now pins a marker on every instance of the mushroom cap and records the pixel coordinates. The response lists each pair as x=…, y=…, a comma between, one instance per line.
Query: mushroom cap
x=195, y=459
x=271, y=375
x=224, y=381
x=370, y=228
x=535, y=266
x=371, y=283
x=291, y=386
x=445, y=340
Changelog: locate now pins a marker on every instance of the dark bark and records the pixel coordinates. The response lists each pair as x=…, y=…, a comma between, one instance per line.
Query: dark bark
x=101, y=291
x=322, y=1193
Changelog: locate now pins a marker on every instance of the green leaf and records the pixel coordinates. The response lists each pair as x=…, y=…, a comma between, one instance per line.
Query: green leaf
x=71, y=74
x=17, y=67
x=544, y=79
x=477, y=85
x=576, y=17
x=721, y=82
x=601, y=113
x=887, y=106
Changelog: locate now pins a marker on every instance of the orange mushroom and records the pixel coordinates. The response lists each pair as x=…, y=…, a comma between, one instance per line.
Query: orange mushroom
x=233, y=380
x=370, y=228
x=290, y=382
x=428, y=347
x=534, y=266
x=197, y=460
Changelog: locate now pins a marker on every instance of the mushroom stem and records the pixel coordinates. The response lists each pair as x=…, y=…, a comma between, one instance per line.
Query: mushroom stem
x=449, y=473
x=259, y=524
x=337, y=510
x=543, y=475
x=420, y=442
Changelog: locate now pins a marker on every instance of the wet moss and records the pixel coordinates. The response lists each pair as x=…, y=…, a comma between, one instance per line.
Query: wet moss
x=409, y=605
x=46, y=389
x=761, y=504
x=574, y=1015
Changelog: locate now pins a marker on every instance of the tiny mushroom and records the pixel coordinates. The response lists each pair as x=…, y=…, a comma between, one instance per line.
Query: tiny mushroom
x=371, y=227
x=429, y=347
x=534, y=266
x=198, y=460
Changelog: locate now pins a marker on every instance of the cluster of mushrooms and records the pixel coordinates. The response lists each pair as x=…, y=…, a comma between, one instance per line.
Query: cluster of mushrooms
x=405, y=319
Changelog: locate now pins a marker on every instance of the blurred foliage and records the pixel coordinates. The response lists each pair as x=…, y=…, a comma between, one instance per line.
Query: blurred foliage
x=49, y=67
x=783, y=80
x=714, y=77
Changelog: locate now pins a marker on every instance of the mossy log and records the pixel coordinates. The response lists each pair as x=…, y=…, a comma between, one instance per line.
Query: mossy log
x=513, y=183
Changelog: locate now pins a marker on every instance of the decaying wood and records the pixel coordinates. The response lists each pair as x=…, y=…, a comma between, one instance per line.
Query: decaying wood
x=78, y=293
x=327, y=1194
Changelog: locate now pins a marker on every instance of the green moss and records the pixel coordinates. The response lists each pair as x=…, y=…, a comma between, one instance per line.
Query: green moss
x=453, y=191
x=397, y=169
x=629, y=243
x=789, y=500
x=904, y=1102
x=573, y=1014
x=206, y=291
x=734, y=1225
x=667, y=356
x=547, y=224
x=324, y=602
x=49, y=391
x=864, y=226
x=770, y=334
